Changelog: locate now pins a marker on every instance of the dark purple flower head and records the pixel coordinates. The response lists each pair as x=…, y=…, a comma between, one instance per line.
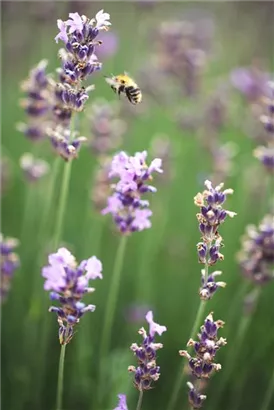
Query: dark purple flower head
x=266, y=156
x=194, y=397
x=147, y=370
x=65, y=143
x=68, y=283
x=122, y=405
x=33, y=168
x=256, y=257
x=130, y=212
x=9, y=262
x=202, y=365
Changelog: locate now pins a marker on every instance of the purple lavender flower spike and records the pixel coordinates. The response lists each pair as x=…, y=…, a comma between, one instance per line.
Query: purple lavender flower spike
x=203, y=365
x=147, y=370
x=65, y=143
x=122, y=405
x=33, y=168
x=9, y=262
x=256, y=257
x=129, y=211
x=68, y=283
x=194, y=397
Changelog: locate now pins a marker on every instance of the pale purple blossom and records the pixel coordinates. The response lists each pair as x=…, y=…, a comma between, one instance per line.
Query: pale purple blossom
x=126, y=205
x=153, y=326
x=62, y=35
x=75, y=23
x=68, y=283
x=122, y=405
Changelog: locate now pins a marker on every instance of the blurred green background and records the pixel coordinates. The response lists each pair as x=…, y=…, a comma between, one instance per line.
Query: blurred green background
x=160, y=268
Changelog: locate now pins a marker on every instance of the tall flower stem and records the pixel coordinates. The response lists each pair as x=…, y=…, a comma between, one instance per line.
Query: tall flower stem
x=268, y=394
x=111, y=304
x=181, y=374
x=62, y=204
x=194, y=330
x=140, y=400
x=60, y=382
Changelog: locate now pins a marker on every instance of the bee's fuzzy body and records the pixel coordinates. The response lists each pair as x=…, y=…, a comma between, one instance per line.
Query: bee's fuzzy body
x=123, y=83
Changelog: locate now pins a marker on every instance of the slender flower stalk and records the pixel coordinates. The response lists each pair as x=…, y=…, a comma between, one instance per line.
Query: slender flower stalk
x=211, y=216
x=140, y=400
x=268, y=393
x=111, y=304
x=60, y=381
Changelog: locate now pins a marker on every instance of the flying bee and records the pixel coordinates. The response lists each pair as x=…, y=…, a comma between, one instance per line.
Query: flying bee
x=123, y=83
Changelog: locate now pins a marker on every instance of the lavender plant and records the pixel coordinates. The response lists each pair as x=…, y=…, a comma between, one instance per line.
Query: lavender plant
x=68, y=283
x=256, y=256
x=147, y=371
x=9, y=262
x=130, y=213
x=211, y=216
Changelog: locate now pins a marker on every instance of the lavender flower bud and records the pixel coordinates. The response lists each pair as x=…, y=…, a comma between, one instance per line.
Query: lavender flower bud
x=194, y=397
x=147, y=370
x=68, y=283
x=9, y=262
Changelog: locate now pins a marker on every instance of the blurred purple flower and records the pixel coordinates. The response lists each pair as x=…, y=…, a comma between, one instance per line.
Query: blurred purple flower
x=250, y=81
x=107, y=128
x=256, y=258
x=68, y=283
x=135, y=313
x=9, y=262
x=38, y=102
x=129, y=211
x=122, y=405
x=147, y=370
x=33, y=168
x=109, y=46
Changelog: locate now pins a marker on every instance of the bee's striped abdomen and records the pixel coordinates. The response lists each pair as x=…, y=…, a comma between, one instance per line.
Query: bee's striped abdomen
x=134, y=94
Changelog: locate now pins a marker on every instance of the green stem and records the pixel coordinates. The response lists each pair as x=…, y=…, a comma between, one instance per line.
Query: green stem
x=181, y=374
x=62, y=204
x=268, y=394
x=140, y=400
x=111, y=304
x=60, y=383
x=234, y=353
